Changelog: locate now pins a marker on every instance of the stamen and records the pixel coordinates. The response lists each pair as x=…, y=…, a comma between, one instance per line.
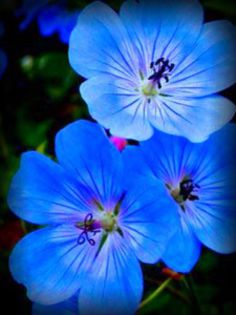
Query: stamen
x=87, y=228
x=187, y=187
x=162, y=69
x=186, y=190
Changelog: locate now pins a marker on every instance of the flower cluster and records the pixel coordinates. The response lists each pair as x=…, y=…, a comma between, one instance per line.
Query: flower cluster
x=105, y=205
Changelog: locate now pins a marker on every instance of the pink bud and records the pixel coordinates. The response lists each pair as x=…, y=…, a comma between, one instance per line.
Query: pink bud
x=119, y=143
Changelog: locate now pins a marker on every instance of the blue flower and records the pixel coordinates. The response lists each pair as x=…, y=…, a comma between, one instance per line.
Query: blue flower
x=68, y=307
x=52, y=18
x=3, y=56
x=57, y=19
x=156, y=65
x=3, y=62
x=200, y=179
x=99, y=224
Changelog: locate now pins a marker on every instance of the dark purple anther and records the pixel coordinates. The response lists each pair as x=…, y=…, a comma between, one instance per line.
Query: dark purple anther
x=87, y=228
x=187, y=187
x=162, y=69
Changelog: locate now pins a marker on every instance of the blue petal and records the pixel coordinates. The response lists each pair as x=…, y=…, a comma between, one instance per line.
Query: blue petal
x=42, y=192
x=115, y=104
x=193, y=118
x=166, y=29
x=135, y=164
x=213, y=216
x=213, y=227
x=211, y=165
x=145, y=225
x=114, y=284
x=68, y=307
x=48, y=19
x=51, y=263
x=183, y=250
x=3, y=62
x=67, y=22
x=55, y=18
x=106, y=48
x=168, y=156
x=211, y=66
x=85, y=151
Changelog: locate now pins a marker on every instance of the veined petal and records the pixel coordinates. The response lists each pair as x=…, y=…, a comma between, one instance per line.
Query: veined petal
x=68, y=307
x=183, y=249
x=193, y=118
x=148, y=215
x=135, y=164
x=107, y=289
x=118, y=106
x=85, y=151
x=106, y=48
x=51, y=263
x=166, y=29
x=42, y=192
x=213, y=216
x=214, y=229
x=211, y=66
x=167, y=156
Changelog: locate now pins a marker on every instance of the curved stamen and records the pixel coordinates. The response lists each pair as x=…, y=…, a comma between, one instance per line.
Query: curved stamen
x=162, y=68
x=87, y=227
x=187, y=187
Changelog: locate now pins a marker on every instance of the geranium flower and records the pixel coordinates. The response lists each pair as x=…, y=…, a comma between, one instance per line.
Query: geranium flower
x=200, y=179
x=155, y=65
x=99, y=225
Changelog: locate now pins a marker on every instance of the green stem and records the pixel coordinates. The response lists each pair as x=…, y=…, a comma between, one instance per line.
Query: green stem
x=189, y=283
x=172, y=291
x=154, y=294
x=23, y=225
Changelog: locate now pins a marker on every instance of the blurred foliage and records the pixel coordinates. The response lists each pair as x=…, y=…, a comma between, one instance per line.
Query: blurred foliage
x=39, y=95
x=226, y=7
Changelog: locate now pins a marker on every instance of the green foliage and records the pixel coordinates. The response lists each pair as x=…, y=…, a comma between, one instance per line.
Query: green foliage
x=53, y=69
x=226, y=7
x=31, y=133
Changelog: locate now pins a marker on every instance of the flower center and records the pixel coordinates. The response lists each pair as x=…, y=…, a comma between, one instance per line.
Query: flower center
x=186, y=191
x=106, y=221
x=187, y=188
x=162, y=70
x=149, y=89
